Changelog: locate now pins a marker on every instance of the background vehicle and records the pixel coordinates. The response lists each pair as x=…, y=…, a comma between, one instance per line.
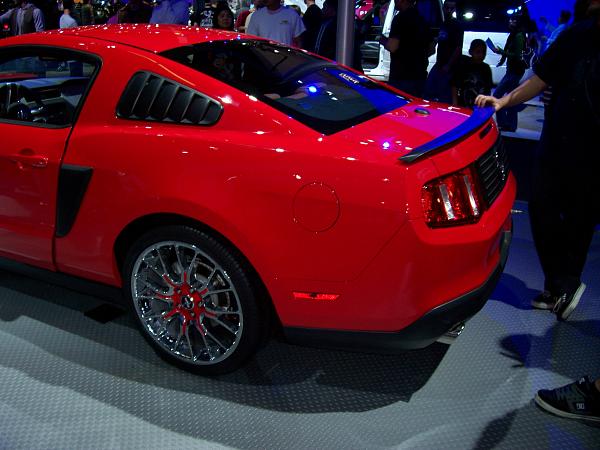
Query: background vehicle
x=231, y=186
x=480, y=20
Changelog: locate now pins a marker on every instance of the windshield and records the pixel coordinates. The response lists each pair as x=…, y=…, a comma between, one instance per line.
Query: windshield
x=320, y=94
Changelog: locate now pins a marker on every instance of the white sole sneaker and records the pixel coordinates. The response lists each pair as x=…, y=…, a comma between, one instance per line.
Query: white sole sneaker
x=557, y=412
x=542, y=304
x=564, y=315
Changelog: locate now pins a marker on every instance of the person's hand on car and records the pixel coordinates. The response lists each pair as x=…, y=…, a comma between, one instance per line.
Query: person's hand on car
x=488, y=100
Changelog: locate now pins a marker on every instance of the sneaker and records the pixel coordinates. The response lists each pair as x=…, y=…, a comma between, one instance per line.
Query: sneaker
x=567, y=302
x=544, y=300
x=579, y=400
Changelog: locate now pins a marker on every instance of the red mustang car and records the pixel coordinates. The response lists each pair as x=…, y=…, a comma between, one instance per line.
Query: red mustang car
x=232, y=185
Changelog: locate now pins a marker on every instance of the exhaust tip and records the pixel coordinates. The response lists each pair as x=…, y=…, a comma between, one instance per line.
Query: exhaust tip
x=451, y=335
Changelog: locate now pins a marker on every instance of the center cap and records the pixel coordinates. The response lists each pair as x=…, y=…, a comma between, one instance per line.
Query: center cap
x=187, y=302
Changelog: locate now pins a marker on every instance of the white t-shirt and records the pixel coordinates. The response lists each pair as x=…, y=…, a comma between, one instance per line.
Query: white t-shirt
x=282, y=25
x=67, y=21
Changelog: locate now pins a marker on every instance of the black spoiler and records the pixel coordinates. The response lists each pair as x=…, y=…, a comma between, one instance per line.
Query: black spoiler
x=479, y=117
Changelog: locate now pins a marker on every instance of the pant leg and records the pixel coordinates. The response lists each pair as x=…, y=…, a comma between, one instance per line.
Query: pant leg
x=579, y=219
x=563, y=213
x=547, y=226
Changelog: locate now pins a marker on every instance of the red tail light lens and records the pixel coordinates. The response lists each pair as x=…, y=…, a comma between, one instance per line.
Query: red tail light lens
x=451, y=200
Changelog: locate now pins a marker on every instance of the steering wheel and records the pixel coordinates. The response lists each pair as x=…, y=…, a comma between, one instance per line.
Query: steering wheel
x=12, y=106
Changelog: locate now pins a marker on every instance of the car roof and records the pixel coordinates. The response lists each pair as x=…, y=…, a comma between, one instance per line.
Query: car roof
x=153, y=38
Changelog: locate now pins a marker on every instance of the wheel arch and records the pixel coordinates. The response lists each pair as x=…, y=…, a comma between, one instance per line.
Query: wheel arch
x=139, y=226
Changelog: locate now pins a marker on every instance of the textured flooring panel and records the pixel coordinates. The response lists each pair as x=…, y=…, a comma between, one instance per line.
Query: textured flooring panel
x=67, y=381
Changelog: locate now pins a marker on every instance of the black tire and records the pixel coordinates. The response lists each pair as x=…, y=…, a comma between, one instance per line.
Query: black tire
x=240, y=299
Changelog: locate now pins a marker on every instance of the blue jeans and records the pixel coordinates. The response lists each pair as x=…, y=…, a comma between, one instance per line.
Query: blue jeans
x=508, y=118
x=438, y=87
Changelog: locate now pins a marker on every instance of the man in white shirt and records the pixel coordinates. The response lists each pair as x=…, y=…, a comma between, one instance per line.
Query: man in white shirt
x=66, y=21
x=277, y=23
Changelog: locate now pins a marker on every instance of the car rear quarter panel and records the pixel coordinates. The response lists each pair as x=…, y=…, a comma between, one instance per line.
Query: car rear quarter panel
x=238, y=177
x=420, y=267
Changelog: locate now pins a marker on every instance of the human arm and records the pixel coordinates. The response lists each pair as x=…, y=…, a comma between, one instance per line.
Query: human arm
x=299, y=29
x=525, y=92
x=38, y=19
x=297, y=41
x=390, y=44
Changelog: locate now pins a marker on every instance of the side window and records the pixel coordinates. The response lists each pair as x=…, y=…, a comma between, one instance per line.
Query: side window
x=43, y=89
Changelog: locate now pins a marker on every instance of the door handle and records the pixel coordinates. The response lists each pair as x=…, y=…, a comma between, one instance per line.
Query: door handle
x=30, y=159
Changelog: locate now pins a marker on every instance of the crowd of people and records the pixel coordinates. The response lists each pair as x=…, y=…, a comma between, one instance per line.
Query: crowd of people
x=455, y=78
x=315, y=30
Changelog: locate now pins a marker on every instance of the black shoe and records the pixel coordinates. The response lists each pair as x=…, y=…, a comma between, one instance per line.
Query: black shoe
x=579, y=400
x=567, y=302
x=544, y=300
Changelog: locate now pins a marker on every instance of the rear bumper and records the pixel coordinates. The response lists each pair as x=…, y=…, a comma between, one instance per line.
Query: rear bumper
x=420, y=333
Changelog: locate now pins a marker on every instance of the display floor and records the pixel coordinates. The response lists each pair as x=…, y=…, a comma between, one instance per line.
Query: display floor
x=68, y=381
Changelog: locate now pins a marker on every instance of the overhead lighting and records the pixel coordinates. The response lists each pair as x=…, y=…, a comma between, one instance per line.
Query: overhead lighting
x=468, y=15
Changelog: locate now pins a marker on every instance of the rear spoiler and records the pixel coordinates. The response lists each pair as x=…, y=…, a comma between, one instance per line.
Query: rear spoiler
x=479, y=117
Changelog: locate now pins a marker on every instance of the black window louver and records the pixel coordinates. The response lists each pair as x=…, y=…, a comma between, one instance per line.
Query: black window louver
x=493, y=169
x=155, y=98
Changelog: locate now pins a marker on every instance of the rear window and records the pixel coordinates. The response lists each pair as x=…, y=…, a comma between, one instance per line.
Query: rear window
x=322, y=95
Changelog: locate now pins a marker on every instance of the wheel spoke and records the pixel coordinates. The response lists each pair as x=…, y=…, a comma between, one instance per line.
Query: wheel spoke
x=178, y=341
x=162, y=263
x=220, y=291
x=212, y=274
x=156, y=297
x=189, y=269
x=187, y=338
x=152, y=290
x=202, y=330
x=156, y=316
x=163, y=328
x=176, y=247
x=224, y=325
x=219, y=343
x=216, y=312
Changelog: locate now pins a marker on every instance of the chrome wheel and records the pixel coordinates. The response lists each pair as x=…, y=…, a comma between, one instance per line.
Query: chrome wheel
x=186, y=302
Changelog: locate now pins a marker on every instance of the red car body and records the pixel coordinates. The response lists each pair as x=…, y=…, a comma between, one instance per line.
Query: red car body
x=332, y=224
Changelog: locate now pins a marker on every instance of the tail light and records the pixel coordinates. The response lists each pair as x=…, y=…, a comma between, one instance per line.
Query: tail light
x=452, y=200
